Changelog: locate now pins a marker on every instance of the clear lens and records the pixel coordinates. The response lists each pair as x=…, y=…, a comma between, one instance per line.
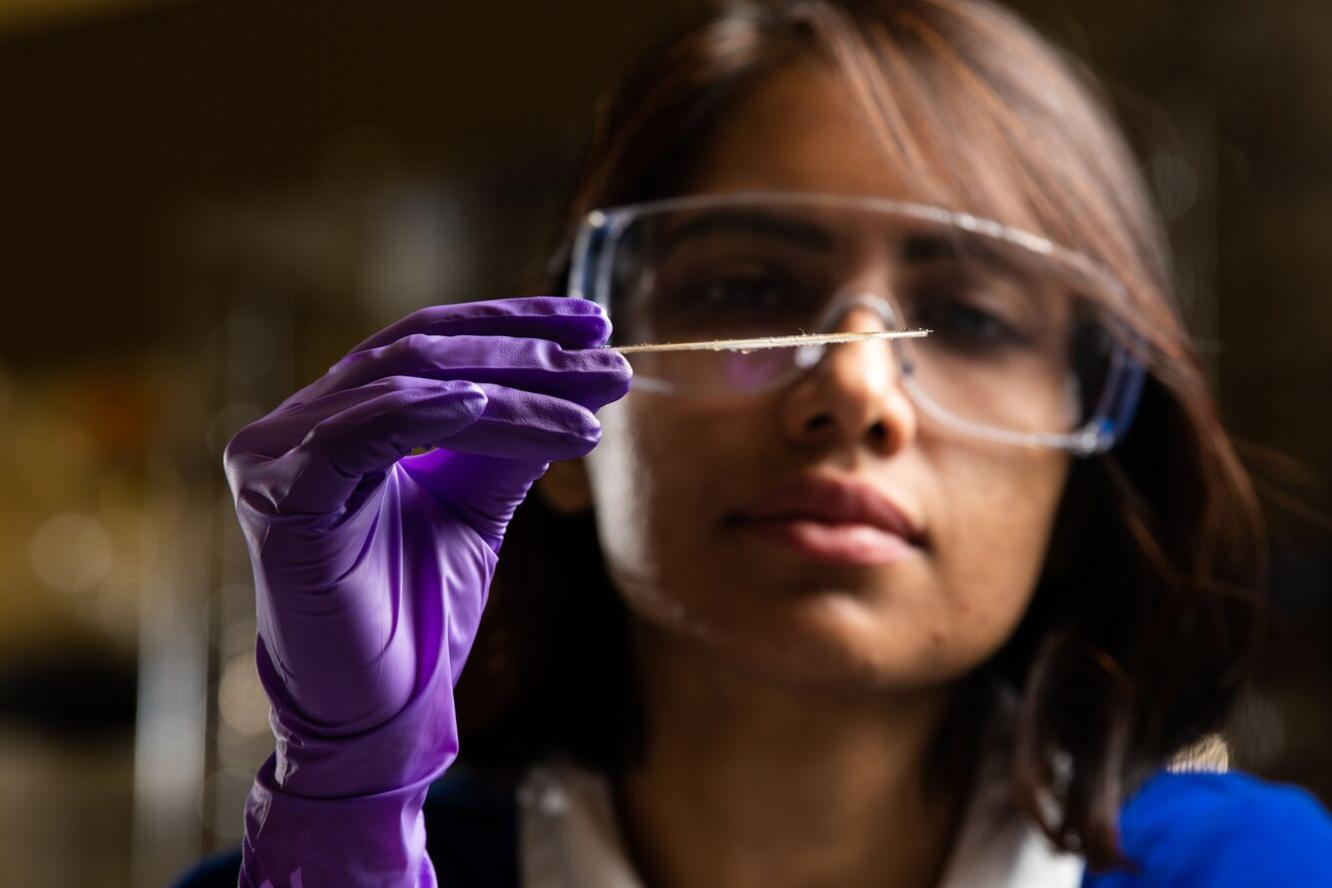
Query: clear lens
x=1016, y=346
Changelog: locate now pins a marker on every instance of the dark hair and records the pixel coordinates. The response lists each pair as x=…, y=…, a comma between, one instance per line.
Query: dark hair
x=1145, y=615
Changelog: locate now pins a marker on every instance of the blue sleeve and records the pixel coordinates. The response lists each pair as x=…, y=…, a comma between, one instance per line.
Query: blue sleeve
x=1222, y=831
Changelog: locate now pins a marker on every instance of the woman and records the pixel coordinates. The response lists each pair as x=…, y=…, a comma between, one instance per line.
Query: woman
x=928, y=612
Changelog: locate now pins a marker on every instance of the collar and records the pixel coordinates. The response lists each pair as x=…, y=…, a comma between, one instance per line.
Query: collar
x=568, y=838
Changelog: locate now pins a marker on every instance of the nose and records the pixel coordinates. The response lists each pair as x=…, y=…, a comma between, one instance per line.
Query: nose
x=854, y=395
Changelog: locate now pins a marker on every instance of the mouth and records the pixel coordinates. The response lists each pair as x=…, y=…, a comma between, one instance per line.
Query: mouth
x=854, y=544
x=836, y=520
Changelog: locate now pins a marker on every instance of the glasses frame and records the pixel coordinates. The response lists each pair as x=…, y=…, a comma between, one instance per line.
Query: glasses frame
x=592, y=263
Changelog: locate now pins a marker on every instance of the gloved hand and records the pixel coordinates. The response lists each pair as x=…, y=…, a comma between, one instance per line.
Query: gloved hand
x=372, y=566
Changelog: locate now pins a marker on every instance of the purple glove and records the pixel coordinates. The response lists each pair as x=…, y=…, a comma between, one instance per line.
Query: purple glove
x=371, y=566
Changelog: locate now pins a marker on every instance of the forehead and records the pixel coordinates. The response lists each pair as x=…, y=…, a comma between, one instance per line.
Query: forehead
x=800, y=129
x=803, y=128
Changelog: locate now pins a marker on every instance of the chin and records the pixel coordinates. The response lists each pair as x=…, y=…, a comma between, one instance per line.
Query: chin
x=837, y=642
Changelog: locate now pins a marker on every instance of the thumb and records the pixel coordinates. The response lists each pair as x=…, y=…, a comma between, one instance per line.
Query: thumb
x=484, y=490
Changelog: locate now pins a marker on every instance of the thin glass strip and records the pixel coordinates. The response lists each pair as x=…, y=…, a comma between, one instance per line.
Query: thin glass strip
x=769, y=341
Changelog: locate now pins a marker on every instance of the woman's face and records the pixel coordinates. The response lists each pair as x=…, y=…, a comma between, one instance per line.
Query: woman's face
x=671, y=475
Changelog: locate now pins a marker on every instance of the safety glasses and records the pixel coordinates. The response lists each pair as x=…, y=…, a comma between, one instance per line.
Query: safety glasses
x=1024, y=346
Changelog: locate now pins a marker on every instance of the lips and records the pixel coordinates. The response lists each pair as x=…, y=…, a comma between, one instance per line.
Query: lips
x=834, y=518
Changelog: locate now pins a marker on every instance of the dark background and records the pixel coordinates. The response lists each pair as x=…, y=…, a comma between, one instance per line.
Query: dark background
x=203, y=203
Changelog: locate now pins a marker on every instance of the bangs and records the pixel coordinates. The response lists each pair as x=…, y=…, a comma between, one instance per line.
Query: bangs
x=986, y=120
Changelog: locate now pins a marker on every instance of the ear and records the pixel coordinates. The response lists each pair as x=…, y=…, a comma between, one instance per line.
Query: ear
x=565, y=486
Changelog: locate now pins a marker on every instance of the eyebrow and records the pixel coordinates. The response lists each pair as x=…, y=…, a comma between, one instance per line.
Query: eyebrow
x=921, y=248
x=916, y=249
x=794, y=231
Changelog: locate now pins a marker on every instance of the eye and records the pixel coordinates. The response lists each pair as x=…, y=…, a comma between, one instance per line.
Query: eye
x=965, y=311
x=742, y=291
x=976, y=323
x=962, y=324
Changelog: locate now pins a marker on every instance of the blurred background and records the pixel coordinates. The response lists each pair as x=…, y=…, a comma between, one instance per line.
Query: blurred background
x=204, y=203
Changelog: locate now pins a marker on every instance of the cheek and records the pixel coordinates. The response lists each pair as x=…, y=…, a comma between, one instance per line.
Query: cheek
x=621, y=476
x=650, y=477
x=991, y=540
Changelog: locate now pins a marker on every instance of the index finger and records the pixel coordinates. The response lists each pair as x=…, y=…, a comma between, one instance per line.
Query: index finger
x=571, y=321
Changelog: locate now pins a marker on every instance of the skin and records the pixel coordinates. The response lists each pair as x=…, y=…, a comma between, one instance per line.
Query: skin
x=790, y=701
